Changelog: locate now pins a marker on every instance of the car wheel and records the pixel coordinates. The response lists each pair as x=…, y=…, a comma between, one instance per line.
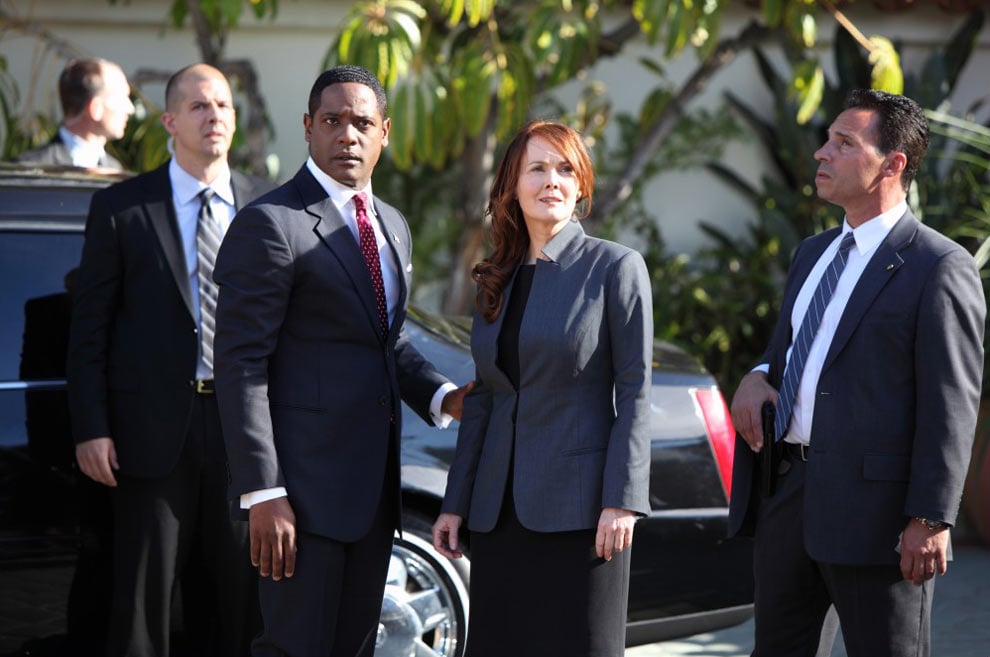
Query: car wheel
x=425, y=608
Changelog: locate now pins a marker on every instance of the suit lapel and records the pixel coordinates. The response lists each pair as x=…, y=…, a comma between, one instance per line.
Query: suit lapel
x=881, y=268
x=333, y=231
x=392, y=227
x=243, y=189
x=484, y=340
x=161, y=213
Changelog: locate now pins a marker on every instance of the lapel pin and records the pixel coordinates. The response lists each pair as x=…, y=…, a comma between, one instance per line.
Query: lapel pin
x=396, y=238
x=409, y=267
x=889, y=267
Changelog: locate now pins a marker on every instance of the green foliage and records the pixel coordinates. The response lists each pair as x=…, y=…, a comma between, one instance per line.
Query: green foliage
x=951, y=193
x=471, y=60
x=220, y=14
x=144, y=145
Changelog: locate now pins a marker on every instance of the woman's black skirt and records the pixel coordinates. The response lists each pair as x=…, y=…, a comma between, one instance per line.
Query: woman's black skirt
x=544, y=594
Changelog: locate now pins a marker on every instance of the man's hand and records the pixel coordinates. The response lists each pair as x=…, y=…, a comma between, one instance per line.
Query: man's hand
x=445, y=535
x=615, y=531
x=453, y=401
x=923, y=552
x=272, y=526
x=98, y=459
x=747, y=403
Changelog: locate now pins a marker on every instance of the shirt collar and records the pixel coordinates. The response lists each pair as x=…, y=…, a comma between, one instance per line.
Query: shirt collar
x=82, y=152
x=870, y=233
x=186, y=188
x=340, y=194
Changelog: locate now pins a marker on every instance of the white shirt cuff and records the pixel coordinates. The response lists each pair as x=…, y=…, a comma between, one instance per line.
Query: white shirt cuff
x=440, y=418
x=257, y=497
x=762, y=367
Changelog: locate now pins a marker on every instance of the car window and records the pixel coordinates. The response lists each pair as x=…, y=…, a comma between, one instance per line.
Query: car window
x=34, y=316
x=33, y=266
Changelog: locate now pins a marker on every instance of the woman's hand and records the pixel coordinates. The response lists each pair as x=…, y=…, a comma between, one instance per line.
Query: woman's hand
x=615, y=531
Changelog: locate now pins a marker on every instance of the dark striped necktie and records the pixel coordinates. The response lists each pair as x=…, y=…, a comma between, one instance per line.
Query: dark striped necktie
x=208, y=237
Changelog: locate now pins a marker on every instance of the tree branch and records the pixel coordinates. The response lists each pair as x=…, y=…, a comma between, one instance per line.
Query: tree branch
x=618, y=190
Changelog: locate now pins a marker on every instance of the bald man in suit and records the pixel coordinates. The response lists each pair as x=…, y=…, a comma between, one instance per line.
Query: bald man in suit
x=141, y=395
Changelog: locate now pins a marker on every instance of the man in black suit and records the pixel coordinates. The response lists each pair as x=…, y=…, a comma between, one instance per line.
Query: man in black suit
x=883, y=393
x=96, y=104
x=312, y=366
x=144, y=414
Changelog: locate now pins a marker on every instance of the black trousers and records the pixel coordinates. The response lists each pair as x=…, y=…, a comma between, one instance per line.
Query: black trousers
x=332, y=604
x=880, y=613
x=179, y=529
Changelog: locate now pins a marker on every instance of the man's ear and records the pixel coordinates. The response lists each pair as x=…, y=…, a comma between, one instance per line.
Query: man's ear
x=894, y=164
x=168, y=120
x=95, y=108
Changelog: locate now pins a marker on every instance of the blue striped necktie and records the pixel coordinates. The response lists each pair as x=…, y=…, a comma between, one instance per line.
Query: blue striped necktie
x=806, y=335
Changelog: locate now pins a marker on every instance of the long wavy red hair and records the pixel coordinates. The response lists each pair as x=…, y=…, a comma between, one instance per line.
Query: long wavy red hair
x=509, y=237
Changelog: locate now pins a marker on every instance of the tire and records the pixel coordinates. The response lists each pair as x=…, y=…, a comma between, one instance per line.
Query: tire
x=425, y=608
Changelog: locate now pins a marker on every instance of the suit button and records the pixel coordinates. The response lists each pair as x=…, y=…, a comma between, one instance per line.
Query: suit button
x=382, y=400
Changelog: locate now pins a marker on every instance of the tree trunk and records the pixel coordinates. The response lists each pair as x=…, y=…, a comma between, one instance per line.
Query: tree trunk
x=477, y=162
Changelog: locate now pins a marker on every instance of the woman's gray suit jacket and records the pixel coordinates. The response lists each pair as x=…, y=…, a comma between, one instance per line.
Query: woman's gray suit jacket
x=581, y=439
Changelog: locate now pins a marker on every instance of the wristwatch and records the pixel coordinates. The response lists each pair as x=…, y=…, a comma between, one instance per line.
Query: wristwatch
x=932, y=524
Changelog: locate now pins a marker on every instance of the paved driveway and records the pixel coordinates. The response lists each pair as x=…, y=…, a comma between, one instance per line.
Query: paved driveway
x=960, y=618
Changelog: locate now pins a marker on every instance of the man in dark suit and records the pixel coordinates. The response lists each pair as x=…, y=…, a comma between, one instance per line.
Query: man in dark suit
x=96, y=104
x=312, y=365
x=875, y=430
x=144, y=415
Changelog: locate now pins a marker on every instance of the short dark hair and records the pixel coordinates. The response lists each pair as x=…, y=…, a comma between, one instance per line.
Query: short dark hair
x=901, y=126
x=347, y=73
x=80, y=81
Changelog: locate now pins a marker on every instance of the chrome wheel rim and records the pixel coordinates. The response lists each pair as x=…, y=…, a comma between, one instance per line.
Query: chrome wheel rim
x=424, y=610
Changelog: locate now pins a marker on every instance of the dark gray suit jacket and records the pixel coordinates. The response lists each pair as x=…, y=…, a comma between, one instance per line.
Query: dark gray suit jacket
x=133, y=345
x=581, y=439
x=896, y=403
x=306, y=383
x=56, y=152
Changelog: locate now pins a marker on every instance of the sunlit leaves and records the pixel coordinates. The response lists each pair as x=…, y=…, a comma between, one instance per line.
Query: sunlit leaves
x=561, y=37
x=807, y=89
x=886, y=74
x=678, y=23
x=383, y=36
x=221, y=14
x=423, y=122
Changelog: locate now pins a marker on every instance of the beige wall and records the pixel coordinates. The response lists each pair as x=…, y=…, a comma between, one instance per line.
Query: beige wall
x=288, y=50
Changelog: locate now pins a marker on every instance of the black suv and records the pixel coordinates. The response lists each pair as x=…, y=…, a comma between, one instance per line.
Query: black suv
x=686, y=577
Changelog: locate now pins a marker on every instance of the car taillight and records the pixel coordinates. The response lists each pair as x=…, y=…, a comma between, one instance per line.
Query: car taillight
x=721, y=433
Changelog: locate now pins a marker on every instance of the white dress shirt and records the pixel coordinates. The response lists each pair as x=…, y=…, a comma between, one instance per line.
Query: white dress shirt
x=342, y=196
x=868, y=236
x=185, y=200
x=83, y=153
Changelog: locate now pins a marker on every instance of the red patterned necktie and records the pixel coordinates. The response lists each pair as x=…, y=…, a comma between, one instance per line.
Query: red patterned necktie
x=369, y=248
